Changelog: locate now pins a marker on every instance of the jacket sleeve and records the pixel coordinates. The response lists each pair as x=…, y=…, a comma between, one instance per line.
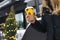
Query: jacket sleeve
x=39, y=26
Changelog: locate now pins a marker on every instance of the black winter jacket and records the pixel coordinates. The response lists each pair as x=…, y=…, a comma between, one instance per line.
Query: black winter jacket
x=50, y=24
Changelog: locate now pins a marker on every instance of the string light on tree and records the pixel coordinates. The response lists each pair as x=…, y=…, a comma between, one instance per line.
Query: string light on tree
x=10, y=26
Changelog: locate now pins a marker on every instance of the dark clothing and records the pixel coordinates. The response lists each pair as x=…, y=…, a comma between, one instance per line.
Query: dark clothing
x=32, y=34
x=50, y=24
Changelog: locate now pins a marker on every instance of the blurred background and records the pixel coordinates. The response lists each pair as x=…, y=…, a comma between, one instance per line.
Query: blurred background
x=19, y=8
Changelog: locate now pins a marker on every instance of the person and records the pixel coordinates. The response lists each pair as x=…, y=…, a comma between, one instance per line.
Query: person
x=31, y=33
x=50, y=22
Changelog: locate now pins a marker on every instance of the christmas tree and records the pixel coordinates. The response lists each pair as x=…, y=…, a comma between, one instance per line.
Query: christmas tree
x=10, y=25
